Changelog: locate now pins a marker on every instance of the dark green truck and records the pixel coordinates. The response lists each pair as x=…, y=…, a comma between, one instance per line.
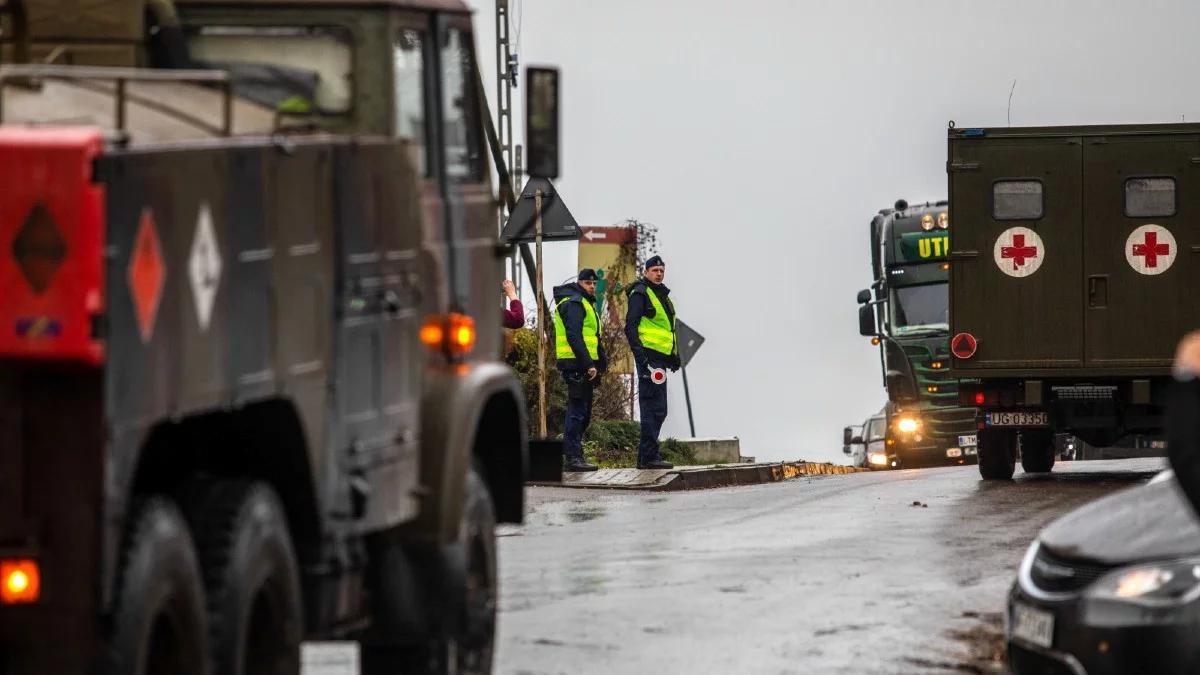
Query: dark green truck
x=906, y=311
x=1073, y=276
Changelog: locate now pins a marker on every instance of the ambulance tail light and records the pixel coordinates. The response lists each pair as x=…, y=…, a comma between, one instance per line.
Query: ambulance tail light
x=973, y=396
x=51, y=245
x=20, y=581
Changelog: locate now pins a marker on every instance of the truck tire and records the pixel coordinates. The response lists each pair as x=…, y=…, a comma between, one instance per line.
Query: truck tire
x=470, y=653
x=159, y=626
x=997, y=454
x=473, y=651
x=255, y=610
x=400, y=648
x=1037, y=451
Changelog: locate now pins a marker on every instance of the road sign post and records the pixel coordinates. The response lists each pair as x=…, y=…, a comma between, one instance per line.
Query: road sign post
x=688, y=342
x=541, y=319
x=687, y=397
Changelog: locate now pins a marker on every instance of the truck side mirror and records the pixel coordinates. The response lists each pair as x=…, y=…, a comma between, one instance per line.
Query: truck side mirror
x=541, y=122
x=866, y=321
x=847, y=434
x=864, y=296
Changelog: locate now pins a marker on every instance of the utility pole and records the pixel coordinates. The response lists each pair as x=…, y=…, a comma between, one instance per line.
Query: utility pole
x=506, y=76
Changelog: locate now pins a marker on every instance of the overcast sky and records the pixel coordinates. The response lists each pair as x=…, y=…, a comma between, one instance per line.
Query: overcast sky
x=760, y=136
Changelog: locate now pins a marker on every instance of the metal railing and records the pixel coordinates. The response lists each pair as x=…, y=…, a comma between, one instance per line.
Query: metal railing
x=121, y=77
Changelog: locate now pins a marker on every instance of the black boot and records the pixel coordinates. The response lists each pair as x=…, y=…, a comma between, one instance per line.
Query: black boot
x=577, y=464
x=656, y=464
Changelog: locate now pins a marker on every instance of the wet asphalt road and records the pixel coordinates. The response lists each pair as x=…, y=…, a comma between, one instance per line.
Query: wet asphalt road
x=832, y=574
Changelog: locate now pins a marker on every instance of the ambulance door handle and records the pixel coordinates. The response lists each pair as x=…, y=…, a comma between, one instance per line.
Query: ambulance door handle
x=1098, y=291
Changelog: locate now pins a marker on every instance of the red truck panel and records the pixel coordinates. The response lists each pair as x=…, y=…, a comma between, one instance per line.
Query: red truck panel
x=51, y=245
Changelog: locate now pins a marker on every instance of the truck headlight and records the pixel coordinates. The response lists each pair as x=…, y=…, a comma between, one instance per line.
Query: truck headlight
x=908, y=424
x=1155, y=584
x=877, y=458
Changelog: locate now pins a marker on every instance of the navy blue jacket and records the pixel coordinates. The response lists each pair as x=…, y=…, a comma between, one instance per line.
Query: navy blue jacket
x=572, y=314
x=640, y=306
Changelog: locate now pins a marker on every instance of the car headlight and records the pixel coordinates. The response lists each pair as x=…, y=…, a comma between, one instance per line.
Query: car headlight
x=908, y=425
x=877, y=458
x=1156, y=584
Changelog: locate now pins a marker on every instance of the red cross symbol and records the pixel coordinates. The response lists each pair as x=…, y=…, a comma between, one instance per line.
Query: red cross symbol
x=1018, y=252
x=1151, y=249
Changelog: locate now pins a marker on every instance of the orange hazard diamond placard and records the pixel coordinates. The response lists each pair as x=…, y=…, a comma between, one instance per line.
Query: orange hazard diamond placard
x=147, y=273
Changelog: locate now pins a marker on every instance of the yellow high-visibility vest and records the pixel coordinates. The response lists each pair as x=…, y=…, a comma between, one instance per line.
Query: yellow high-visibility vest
x=591, y=331
x=657, y=332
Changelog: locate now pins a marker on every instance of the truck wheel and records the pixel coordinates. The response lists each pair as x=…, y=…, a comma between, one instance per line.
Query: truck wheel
x=997, y=459
x=398, y=648
x=1037, y=451
x=159, y=626
x=472, y=652
x=254, y=605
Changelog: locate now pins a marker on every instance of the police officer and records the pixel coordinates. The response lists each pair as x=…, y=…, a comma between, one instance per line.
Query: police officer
x=580, y=359
x=650, y=329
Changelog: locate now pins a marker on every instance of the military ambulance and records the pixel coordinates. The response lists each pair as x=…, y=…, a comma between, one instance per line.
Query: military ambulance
x=251, y=406
x=906, y=311
x=1073, y=275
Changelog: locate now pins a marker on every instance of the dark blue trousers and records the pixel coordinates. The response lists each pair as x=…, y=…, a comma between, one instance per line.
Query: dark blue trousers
x=579, y=414
x=652, y=401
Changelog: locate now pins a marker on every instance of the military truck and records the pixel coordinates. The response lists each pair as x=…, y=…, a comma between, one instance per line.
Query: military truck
x=905, y=311
x=1073, y=276
x=250, y=398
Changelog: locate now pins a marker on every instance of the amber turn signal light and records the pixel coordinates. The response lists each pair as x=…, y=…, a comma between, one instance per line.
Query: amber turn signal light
x=20, y=582
x=432, y=333
x=453, y=333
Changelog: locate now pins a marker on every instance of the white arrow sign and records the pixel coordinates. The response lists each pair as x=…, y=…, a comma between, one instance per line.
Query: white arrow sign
x=593, y=235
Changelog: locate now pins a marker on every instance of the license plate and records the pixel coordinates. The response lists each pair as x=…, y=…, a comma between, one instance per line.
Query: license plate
x=954, y=452
x=965, y=441
x=1033, y=625
x=1017, y=419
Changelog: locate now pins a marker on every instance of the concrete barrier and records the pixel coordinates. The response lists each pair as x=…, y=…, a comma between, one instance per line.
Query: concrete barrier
x=714, y=450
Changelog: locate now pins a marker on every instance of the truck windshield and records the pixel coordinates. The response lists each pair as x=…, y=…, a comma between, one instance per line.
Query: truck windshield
x=303, y=67
x=920, y=309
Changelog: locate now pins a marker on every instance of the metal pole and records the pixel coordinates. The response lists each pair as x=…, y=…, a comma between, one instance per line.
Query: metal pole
x=517, y=259
x=227, y=108
x=687, y=396
x=541, y=320
x=120, y=114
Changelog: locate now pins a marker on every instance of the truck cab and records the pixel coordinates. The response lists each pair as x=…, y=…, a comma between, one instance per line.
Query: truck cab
x=906, y=312
x=1073, y=276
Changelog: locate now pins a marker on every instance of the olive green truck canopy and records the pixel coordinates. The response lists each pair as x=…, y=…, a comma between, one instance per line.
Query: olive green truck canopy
x=1074, y=250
